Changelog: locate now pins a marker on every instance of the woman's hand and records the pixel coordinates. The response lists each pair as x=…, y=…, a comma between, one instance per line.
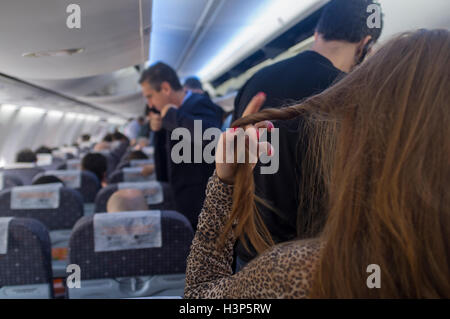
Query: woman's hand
x=233, y=144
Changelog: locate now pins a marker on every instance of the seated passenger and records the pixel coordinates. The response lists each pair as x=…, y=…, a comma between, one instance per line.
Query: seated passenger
x=137, y=155
x=85, y=138
x=97, y=164
x=108, y=138
x=120, y=137
x=44, y=150
x=47, y=179
x=26, y=156
x=125, y=200
x=177, y=109
x=382, y=145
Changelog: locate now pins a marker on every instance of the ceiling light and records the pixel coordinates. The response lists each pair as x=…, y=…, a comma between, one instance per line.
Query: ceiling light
x=65, y=52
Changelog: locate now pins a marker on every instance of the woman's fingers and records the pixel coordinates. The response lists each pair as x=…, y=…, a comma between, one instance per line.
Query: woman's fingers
x=265, y=124
x=239, y=146
x=265, y=148
x=255, y=104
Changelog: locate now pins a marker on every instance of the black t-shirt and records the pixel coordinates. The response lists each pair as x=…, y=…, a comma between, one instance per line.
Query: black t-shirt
x=285, y=83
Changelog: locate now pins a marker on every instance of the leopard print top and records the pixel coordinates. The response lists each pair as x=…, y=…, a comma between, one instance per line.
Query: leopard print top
x=284, y=271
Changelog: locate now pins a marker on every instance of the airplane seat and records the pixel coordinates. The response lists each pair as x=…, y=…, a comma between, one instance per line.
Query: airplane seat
x=129, y=174
x=118, y=151
x=25, y=259
x=25, y=174
x=55, y=206
x=130, y=254
x=166, y=202
x=8, y=181
x=85, y=182
x=135, y=163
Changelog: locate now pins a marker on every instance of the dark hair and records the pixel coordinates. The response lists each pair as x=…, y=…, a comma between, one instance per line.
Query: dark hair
x=47, y=179
x=117, y=136
x=26, y=156
x=346, y=20
x=159, y=73
x=136, y=155
x=108, y=138
x=43, y=150
x=193, y=83
x=85, y=137
x=96, y=163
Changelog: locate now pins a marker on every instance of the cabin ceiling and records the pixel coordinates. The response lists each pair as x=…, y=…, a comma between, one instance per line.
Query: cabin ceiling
x=117, y=35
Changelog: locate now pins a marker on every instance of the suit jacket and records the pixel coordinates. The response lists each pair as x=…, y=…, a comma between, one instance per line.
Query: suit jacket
x=285, y=83
x=188, y=180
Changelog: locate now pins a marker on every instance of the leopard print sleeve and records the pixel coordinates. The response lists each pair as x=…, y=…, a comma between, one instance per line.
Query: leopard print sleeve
x=284, y=271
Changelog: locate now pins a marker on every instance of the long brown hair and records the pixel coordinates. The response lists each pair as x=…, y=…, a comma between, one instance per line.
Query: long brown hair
x=380, y=144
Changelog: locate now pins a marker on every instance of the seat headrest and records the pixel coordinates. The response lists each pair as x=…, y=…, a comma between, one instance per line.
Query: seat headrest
x=144, y=244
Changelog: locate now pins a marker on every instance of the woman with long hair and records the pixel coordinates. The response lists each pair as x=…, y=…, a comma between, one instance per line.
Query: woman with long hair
x=380, y=149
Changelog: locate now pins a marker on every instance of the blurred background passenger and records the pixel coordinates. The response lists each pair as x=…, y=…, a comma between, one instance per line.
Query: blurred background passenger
x=133, y=128
x=26, y=156
x=97, y=164
x=43, y=150
x=47, y=179
x=194, y=85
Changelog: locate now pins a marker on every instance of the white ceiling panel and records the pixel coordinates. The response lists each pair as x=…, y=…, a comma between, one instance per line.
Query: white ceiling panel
x=110, y=36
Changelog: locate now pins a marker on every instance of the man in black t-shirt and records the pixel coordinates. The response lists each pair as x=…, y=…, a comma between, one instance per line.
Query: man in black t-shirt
x=342, y=39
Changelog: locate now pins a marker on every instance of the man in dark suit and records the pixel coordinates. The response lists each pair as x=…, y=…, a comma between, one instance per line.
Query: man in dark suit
x=179, y=109
x=342, y=39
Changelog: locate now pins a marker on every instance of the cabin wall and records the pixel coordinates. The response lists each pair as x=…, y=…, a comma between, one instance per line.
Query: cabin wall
x=26, y=127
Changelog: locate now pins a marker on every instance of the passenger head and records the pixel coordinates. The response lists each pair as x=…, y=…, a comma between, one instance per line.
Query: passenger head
x=137, y=155
x=380, y=147
x=126, y=200
x=108, y=138
x=26, y=156
x=194, y=85
x=85, y=138
x=117, y=136
x=44, y=150
x=343, y=33
x=160, y=85
x=95, y=163
x=47, y=179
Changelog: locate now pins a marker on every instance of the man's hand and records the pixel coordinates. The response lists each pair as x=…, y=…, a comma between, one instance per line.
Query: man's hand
x=167, y=108
x=155, y=121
